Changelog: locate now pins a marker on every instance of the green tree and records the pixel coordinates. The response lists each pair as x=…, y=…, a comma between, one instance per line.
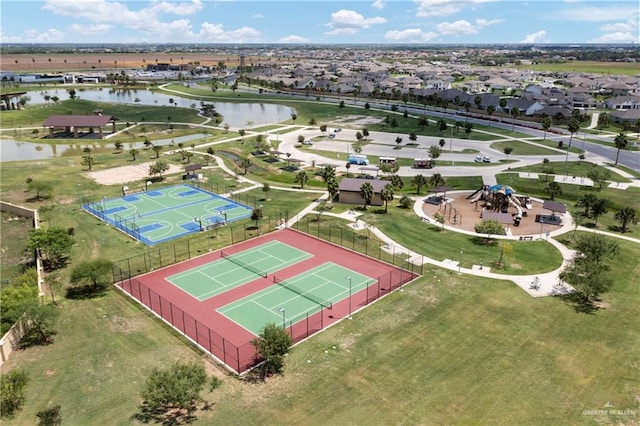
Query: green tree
x=546, y=125
x=133, y=152
x=599, y=177
x=171, y=396
x=302, y=178
x=491, y=109
x=489, y=227
x=506, y=250
x=434, y=151
x=54, y=284
x=333, y=187
x=515, y=113
x=442, y=125
x=387, y=195
x=118, y=146
x=405, y=202
x=266, y=188
x=598, y=208
x=440, y=219
x=87, y=160
x=321, y=208
x=573, y=127
x=621, y=142
x=626, y=216
x=597, y=248
x=256, y=214
x=12, y=392
x=357, y=148
x=272, y=344
x=585, y=202
x=468, y=127
x=96, y=273
x=396, y=181
x=157, y=149
x=50, y=416
x=419, y=181
x=40, y=323
x=367, y=193
x=436, y=179
x=603, y=120
x=553, y=188
x=507, y=150
x=54, y=244
x=42, y=189
x=158, y=168
x=327, y=173
x=245, y=163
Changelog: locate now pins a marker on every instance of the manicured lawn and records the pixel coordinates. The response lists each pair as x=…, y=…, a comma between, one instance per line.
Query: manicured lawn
x=523, y=148
x=448, y=349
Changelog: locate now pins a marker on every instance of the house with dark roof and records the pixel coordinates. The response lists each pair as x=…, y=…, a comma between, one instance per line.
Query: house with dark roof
x=350, y=190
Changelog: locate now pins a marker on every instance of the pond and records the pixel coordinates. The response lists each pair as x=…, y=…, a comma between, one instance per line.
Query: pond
x=235, y=114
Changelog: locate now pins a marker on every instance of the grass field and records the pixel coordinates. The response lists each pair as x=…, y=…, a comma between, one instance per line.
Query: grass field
x=448, y=349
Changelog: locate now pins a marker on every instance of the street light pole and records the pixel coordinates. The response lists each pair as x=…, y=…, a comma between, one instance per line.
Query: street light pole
x=283, y=319
x=460, y=262
x=349, y=278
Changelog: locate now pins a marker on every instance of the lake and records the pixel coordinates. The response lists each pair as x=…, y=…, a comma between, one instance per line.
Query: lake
x=235, y=114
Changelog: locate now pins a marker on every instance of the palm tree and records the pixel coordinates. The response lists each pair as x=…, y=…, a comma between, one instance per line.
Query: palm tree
x=626, y=216
x=436, y=180
x=302, y=178
x=245, y=164
x=333, y=187
x=515, y=113
x=573, y=126
x=621, y=142
x=490, y=110
x=387, y=195
x=366, y=192
x=546, y=125
x=419, y=181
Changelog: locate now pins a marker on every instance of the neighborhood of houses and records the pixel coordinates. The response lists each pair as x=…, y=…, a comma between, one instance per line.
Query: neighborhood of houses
x=461, y=85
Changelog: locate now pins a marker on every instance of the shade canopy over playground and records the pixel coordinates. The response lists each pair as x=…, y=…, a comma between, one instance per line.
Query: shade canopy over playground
x=502, y=189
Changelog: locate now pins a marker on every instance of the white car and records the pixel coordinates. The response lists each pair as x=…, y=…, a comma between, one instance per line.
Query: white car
x=307, y=142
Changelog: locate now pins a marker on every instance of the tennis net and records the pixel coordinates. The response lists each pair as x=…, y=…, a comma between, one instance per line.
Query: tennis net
x=245, y=265
x=304, y=293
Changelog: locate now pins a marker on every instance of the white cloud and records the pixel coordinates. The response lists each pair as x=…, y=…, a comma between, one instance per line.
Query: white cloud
x=596, y=14
x=214, y=33
x=257, y=16
x=460, y=27
x=539, y=37
x=413, y=35
x=51, y=35
x=293, y=39
x=351, y=22
x=428, y=8
x=378, y=4
x=464, y=27
x=97, y=29
x=630, y=25
x=187, y=8
x=618, y=37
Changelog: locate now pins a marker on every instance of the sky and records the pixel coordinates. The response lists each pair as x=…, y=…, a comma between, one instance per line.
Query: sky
x=320, y=21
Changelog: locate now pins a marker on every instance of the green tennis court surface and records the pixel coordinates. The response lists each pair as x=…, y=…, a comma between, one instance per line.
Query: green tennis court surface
x=293, y=299
x=163, y=214
x=226, y=273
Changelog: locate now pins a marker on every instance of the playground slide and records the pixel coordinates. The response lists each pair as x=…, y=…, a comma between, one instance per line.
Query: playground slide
x=479, y=196
x=515, y=203
x=474, y=194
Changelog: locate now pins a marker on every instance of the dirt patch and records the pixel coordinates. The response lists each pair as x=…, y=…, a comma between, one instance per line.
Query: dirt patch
x=355, y=120
x=127, y=174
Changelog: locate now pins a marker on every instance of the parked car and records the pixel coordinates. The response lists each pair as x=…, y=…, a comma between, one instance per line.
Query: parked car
x=331, y=136
x=478, y=159
x=337, y=129
x=486, y=159
x=307, y=142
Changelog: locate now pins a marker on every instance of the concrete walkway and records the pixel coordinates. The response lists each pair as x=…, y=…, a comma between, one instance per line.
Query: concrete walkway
x=537, y=285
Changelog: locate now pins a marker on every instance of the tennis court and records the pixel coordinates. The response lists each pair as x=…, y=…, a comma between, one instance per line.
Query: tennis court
x=234, y=270
x=161, y=215
x=294, y=299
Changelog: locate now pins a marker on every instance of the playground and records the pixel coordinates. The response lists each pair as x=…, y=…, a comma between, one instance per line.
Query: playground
x=461, y=212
